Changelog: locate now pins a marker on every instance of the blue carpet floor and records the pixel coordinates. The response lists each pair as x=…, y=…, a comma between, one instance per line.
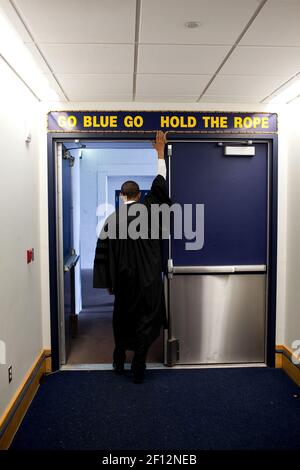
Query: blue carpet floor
x=238, y=408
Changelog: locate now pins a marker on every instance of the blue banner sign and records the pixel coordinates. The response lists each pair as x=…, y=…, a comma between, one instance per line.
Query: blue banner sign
x=151, y=121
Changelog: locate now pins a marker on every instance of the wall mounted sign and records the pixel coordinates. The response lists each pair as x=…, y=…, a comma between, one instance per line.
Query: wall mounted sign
x=151, y=121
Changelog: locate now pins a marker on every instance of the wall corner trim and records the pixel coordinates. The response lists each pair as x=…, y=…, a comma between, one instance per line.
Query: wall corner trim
x=284, y=360
x=19, y=404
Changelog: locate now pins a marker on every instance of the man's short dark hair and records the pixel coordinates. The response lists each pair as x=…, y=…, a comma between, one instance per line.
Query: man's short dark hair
x=130, y=189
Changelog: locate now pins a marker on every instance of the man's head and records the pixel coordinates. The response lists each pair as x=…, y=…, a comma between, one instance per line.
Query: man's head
x=130, y=191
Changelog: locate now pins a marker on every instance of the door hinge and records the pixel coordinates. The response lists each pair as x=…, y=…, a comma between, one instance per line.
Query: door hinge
x=68, y=156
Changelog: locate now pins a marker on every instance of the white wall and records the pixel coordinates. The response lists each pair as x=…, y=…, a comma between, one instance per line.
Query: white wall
x=283, y=141
x=292, y=312
x=20, y=284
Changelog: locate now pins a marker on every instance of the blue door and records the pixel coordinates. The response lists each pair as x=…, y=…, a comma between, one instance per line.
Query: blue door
x=68, y=257
x=218, y=293
x=233, y=190
x=67, y=250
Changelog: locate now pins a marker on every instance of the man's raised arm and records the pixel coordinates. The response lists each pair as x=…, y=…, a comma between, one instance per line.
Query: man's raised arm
x=159, y=193
x=159, y=146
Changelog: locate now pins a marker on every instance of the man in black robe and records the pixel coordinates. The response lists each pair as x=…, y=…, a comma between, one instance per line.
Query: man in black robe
x=131, y=269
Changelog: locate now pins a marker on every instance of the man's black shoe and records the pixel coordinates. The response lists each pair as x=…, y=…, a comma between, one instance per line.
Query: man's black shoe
x=119, y=368
x=138, y=371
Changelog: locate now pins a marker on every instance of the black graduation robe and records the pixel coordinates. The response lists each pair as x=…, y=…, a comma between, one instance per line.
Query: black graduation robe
x=133, y=268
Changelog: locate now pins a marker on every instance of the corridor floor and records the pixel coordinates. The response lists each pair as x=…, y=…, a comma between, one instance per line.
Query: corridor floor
x=94, y=342
x=234, y=408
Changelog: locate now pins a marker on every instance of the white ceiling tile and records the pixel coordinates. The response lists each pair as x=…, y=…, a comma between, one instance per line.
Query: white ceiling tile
x=234, y=85
x=167, y=99
x=278, y=24
x=221, y=20
x=171, y=84
x=37, y=58
x=13, y=18
x=90, y=58
x=247, y=60
x=47, y=95
x=105, y=97
x=79, y=21
x=94, y=87
x=187, y=59
x=229, y=99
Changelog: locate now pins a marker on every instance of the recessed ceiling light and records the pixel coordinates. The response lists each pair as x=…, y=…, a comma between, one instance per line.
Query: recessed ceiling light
x=192, y=24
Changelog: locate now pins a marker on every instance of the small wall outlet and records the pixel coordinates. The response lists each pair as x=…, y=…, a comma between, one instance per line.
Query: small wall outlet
x=9, y=374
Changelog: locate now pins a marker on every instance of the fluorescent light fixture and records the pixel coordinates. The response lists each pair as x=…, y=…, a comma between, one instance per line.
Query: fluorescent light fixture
x=17, y=55
x=288, y=94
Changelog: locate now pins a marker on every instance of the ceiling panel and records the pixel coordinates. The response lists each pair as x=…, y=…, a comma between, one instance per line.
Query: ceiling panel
x=185, y=59
x=79, y=21
x=221, y=20
x=13, y=18
x=46, y=95
x=37, y=58
x=228, y=99
x=234, y=85
x=167, y=98
x=171, y=84
x=278, y=24
x=94, y=87
x=89, y=46
x=263, y=61
x=90, y=58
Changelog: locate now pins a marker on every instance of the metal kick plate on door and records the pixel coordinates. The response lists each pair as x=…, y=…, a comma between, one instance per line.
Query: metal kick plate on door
x=220, y=318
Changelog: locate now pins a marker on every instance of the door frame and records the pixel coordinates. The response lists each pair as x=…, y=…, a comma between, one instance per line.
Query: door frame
x=53, y=139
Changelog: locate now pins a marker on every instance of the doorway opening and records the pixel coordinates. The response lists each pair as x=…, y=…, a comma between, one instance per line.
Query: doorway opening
x=91, y=177
x=237, y=256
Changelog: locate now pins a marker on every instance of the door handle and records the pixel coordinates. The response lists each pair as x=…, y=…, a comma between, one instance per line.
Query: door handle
x=216, y=269
x=71, y=262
